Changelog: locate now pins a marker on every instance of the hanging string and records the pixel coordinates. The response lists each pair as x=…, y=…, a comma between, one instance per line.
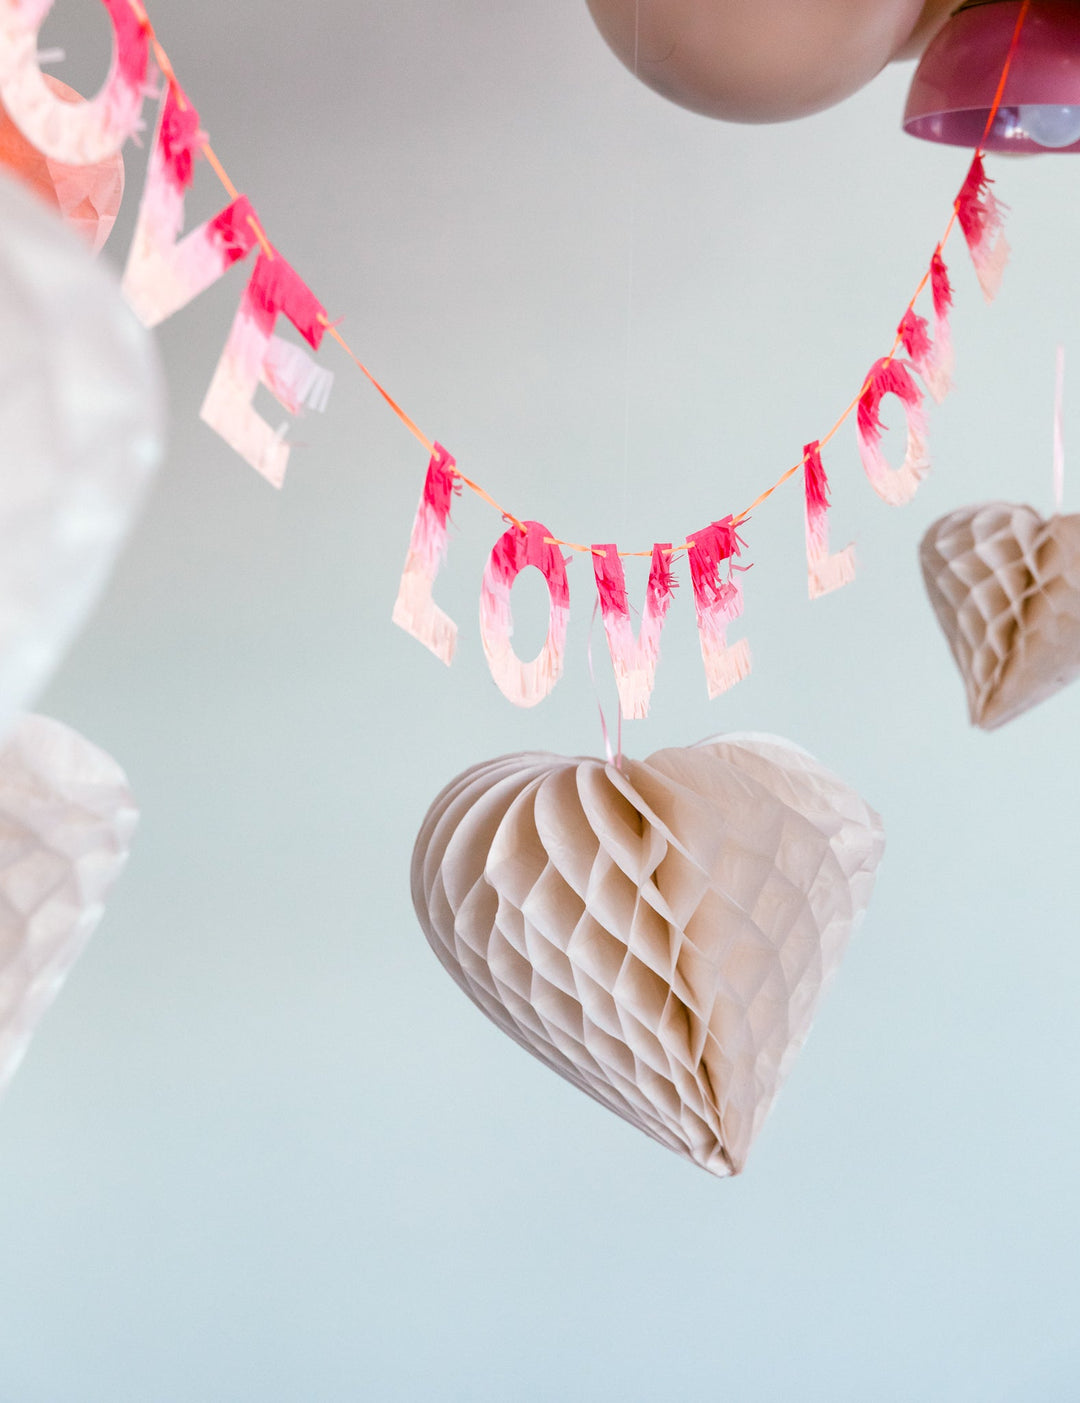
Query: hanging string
x=614, y=756
x=629, y=362
x=1059, y=436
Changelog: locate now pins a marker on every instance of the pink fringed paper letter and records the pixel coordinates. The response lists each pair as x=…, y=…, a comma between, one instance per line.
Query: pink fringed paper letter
x=718, y=602
x=981, y=217
x=77, y=133
x=893, y=485
x=826, y=572
x=253, y=353
x=941, y=292
x=415, y=610
x=165, y=272
x=933, y=360
x=634, y=659
x=524, y=684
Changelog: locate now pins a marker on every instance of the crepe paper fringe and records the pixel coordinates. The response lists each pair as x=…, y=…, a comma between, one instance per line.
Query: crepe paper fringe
x=273, y=290
x=634, y=659
x=415, y=610
x=718, y=602
x=441, y=485
x=294, y=378
x=914, y=333
x=179, y=141
x=942, y=297
x=77, y=133
x=276, y=289
x=825, y=572
x=163, y=275
x=895, y=486
x=936, y=366
x=982, y=218
x=524, y=684
x=933, y=359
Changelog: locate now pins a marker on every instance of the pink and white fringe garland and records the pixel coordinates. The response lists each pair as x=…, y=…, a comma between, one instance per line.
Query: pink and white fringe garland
x=524, y=684
x=932, y=359
x=633, y=659
x=825, y=572
x=982, y=218
x=415, y=610
x=895, y=486
x=718, y=601
x=253, y=354
x=164, y=272
x=167, y=269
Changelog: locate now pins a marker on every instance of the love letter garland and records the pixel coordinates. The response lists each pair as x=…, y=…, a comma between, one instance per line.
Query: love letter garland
x=165, y=271
x=634, y=659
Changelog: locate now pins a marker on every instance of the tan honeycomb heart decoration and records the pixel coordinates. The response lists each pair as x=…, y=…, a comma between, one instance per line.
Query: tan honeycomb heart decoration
x=1005, y=586
x=659, y=935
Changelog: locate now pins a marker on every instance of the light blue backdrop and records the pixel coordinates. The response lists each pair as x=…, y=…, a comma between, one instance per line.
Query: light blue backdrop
x=262, y=1149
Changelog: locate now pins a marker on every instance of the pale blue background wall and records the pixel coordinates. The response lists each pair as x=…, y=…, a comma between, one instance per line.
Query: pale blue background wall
x=262, y=1149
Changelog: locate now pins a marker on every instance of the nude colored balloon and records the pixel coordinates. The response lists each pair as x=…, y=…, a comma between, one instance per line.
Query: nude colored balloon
x=934, y=14
x=88, y=197
x=756, y=60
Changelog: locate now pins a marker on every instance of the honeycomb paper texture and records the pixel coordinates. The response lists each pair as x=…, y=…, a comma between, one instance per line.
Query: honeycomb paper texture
x=1005, y=586
x=66, y=820
x=659, y=936
x=80, y=418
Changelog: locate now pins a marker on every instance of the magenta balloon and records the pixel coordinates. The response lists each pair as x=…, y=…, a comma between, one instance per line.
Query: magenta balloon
x=756, y=60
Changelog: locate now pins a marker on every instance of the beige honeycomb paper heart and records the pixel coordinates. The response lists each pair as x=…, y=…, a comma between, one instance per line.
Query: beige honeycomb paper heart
x=659, y=935
x=66, y=821
x=1005, y=585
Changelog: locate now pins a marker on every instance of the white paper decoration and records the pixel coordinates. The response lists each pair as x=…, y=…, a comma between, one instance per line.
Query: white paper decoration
x=66, y=821
x=80, y=415
x=1005, y=586
x=659, y=936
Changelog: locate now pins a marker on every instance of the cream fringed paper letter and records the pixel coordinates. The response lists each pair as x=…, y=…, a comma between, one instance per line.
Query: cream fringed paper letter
x=81, y=132
x=66, y=821
x=1005, y=586
x=659, y=936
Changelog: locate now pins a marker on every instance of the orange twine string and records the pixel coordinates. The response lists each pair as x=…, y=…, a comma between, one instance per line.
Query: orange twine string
x=219, y=170
x=1020, y=18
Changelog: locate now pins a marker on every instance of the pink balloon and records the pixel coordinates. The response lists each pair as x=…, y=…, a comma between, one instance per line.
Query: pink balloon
x=757, y=60
x=86, y=197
